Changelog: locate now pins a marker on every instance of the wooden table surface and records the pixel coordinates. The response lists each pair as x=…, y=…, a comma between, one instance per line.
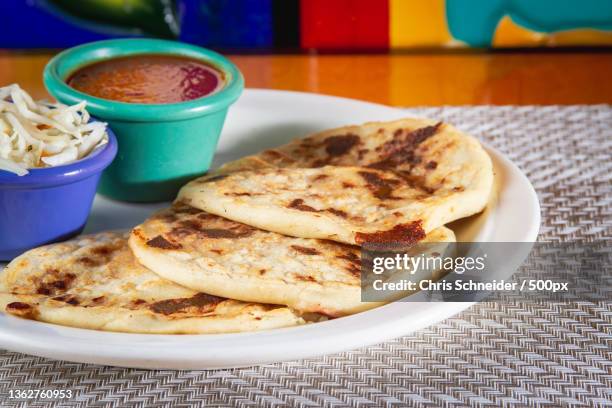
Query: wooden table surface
x=403, y=79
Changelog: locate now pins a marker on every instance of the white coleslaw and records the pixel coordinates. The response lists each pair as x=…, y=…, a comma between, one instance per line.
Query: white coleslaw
x=42, y=134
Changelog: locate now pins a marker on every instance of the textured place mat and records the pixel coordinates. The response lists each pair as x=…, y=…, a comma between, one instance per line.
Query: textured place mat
x=550, y=354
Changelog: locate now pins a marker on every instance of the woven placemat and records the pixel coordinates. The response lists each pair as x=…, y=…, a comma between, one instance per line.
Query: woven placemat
x=550, y=354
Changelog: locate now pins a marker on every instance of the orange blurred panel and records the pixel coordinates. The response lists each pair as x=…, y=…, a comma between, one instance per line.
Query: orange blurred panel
x=546, y=79
x=24, y=69
x=404, y=79
x=356, y=76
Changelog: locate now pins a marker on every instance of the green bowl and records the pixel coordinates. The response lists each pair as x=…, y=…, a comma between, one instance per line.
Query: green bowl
x=161, y=146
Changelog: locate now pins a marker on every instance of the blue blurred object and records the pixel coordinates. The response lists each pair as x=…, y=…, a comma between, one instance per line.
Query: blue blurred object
x=227, y=24
x=148, y=17
x=66, y=23
x=25, y=24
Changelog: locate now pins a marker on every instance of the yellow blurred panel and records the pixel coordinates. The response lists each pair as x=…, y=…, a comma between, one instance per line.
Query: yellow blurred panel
x=418, y=23
x=583, y=36
x=510, y=34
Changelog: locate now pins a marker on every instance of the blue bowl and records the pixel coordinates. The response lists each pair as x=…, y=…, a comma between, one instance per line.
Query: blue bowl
x=49, y=204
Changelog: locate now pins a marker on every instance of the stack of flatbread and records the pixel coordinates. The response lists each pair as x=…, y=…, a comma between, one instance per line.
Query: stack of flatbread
x=270, y=240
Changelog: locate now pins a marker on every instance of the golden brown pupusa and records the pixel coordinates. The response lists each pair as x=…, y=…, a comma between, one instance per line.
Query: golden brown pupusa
x=393, y=181
x=95, y=282
x=204, y=251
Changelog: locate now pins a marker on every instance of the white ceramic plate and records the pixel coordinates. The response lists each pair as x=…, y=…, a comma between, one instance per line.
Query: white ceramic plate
x=259, y=120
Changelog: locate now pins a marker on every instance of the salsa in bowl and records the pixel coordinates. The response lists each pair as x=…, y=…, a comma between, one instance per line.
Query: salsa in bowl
x=148, y=79
x=166, y=102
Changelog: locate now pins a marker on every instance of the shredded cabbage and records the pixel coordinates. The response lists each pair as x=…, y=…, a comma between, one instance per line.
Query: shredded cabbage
x=42, y=134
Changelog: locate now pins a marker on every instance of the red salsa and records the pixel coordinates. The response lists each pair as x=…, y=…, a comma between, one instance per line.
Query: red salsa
x=148, y=79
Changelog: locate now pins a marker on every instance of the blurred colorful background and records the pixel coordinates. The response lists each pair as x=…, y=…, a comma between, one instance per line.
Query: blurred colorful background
x=338, y=25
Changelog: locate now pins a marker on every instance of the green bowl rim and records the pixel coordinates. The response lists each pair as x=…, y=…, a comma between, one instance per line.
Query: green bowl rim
x=139, y=112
